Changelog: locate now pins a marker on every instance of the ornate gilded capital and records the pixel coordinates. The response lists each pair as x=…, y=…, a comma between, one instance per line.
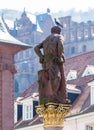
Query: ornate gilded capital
x=53, y=114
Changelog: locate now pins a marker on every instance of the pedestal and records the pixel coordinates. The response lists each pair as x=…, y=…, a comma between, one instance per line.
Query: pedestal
x=53, y=115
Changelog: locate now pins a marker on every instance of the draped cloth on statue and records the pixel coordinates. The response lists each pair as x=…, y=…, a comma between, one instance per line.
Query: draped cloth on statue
x=46, y=91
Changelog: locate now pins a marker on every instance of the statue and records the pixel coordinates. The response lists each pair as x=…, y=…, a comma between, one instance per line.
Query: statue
x=51, y=79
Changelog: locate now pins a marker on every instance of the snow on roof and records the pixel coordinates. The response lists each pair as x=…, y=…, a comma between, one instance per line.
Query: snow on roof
x=72, y=88
x=5, y=37
x=10, y=23
x=32, y=18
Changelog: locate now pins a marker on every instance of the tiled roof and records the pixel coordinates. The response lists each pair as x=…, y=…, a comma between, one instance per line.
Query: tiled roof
x=29, y=91
x=82, y=102
x=79, y=62
x=90, y=109
x=34, y=121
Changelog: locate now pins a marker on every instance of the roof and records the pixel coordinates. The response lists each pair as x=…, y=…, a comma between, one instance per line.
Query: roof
x=90, y=109
x=34, y=121
x=73, y=89
x=10, y=23
x=29, y=91
x=79, y=62
x=32, y=18
x=41, y=18
x=7, y=39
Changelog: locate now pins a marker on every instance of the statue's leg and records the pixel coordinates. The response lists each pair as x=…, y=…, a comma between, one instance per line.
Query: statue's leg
x=62, y=87
x=58, y=84
x=55, y=77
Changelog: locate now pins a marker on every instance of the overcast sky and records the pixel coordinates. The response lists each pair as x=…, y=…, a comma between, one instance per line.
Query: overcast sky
x=42, y=5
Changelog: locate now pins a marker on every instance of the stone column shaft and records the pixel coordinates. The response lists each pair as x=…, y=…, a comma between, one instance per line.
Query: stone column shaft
x=7, y=71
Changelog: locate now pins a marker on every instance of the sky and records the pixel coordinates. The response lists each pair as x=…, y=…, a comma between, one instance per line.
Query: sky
x=34, y=6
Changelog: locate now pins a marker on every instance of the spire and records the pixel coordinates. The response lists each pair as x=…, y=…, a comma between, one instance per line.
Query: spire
x=48, y=10
x=24, y=13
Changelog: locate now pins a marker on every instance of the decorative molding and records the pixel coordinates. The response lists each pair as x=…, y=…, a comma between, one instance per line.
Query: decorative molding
x=7, y=66
x=53, y=114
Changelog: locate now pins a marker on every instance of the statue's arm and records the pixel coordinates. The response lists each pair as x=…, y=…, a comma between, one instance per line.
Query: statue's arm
x=37, y=49
x=39, y=53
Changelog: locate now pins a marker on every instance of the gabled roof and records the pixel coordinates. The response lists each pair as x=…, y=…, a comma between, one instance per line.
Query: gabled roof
x=89, y=70
x=7, y=39
x=72, y=75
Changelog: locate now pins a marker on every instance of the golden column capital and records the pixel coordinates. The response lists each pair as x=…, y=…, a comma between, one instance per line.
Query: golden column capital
x=53, y=114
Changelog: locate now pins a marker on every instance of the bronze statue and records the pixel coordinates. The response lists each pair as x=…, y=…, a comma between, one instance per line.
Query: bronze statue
x=52, y=84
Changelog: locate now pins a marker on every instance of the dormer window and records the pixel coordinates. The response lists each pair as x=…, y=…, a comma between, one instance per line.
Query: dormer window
x=92, y=95
x=91, y=84
x=88, y=71
x=72, y=75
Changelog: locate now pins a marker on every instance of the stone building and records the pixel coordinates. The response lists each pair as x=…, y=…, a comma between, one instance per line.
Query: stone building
x=79, y=37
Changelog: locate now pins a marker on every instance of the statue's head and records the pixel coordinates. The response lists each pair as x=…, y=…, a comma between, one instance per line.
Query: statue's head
x=56, y=30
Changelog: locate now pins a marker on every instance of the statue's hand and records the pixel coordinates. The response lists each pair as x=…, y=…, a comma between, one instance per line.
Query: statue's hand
x=57, y=60
x=41, y=60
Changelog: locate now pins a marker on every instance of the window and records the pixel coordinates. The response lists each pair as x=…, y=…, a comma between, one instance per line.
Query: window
x=91, y=84
x=35, y=103
x=28, y=112
x=73, y=50
x=72, y=35
x=72, y=75
x=79, y=34
x=86, y=33
x=92, y=95
x=92, y=31
x=88, y=71
x=84, y=48
x=88, y=127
